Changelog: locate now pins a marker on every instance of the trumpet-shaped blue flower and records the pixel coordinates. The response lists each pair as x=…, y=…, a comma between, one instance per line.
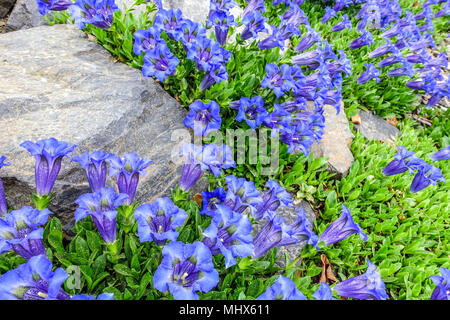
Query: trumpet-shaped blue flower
x=403, y=160
x=241, y=194
x=427, y=175
x=216, y=158
x=254, y=23
x=275, y=197
x=206, y=54
x=229, y=234
x=329, y=13
x=185, y=269
x=324, y=292
x=221, y=21
x=442, y=282
x=345, y=23
x=170, y=21
x=283, y=289
x=160, y=63
x=34, y=280
x=298, y=137
x=45, y=6
x=308, y=40
x=49, y=154
x=367, y=286
x=278, y=79
x=252, y=111
x=127, y=171
x=220, y=5
x=443, y=154
x=371, y=73
x=95, y=165
x=19, y=231
x=158, y=220
x=203, y=117
x=217, y=74
x=147, y=40
x=190, y=31
x=212, y=199
x=3, y=205
x=102, y=296
x=96, y=12
x=342, y=228
x=101, y=206
x=366, y=39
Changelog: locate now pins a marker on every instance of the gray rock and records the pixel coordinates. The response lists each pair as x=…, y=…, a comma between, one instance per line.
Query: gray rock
x=5, y=7
x=290, y=215
x=336, y=141
x=56, y=83
x=25, y=15
x=376, y=128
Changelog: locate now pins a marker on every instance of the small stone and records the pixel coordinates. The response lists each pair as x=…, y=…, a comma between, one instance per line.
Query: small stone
x=356, y=119
x=5, y=7
x=25, y=15
x=376, y=128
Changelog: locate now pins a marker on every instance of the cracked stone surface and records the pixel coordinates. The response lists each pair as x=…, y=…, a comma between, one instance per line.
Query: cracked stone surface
x=25, y=15
x=56, y=83
x=376, y=128
x=5, y=7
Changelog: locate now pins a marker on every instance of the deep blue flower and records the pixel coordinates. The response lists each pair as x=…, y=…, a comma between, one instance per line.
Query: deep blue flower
x=254, y=23
x=19, y=231
x=159, y=63
x=278, y=79
x=371, y=73
x=294, y=16
x=365, y=39
x=252, y=111
x=445, y=11
x=442, y=282
x=279, y=35
x=96, y=12
x=275, y=197
x=45, y=6
x=299, y=137
x=229, y=234
x=345, y=23
x=221, y=21
x=34, y=280
x=49, y=154
x=206, y=54
x=189, y=31
x=443, y=154
x=170, y=21
x=324, y=292
x=381, y=50
x=212, y=199
x=367, y=286
x=427, y=175
x=95, y=165
x=313, y=58
x=192, y=169
x=102, y=296
x=342, y=228
x=253, y=5
x=3, y=205
x=241, y=194
x=203, y=117
x=217, y=74
x=101, y=206
x=308, y=40
x=403, y=160
x=158, y=220
x=329, y=13
x=127, y=171
x=185, y=269
x=147, y=40
x=220, y=5
x=342, y=65
x=283, y=289
x=216, y=158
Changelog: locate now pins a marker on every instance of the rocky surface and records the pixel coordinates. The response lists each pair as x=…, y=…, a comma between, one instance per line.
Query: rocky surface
x=373, y=127
x=336, y=141
x=290, y=215
x=5, y=7
x=58, y=84
x=25, y=15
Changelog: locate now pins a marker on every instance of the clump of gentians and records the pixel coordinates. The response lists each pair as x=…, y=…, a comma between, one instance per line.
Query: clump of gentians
x=99, y=13
x=185, y=269
x=20, y=230
x=283, y=289
x=157, y=221
x=367, y=286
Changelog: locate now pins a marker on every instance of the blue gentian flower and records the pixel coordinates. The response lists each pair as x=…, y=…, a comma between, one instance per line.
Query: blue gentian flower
x=147, y=40
x=96, y=12
x=278, y=79
x=427, y=175
x=96, y=168
x=190, y=31
x=342, y=65
x=252, y=111
x=342, y=228
x=221, y=21
x=127, y=171
x=366, y=39
x=203, y=117
x=254, y=23
x=403, y=160
x=102, y=296
x=212, y=199
x=185, y=269
x=33, y=280
x=371, y=73
x=308, y=40
x=170, y=21
x=19, y=231
x=192, y=169
x=220, y=5
x=45, y=6
x=216, y=158
x=241, y=194
x=324, y=292
x=443, y=154
x=381, y=50
x=279, y=35
x=49, y=154
x=101, y=206
x=159, y=63
x=206, y=54
x=158, y=220
x=218, y=73
x=3, y=205
x=442, y=282
x=445, y=11
x=275, y=197
x=283, y=289
x=253, y=5
x=229, y=234
x=298, y=137
x=329, y=13
x=345, y=23
x=367, y=286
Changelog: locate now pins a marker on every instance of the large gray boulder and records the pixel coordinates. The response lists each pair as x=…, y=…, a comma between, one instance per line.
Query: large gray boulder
x=5, y=7
x=56, y=83
x=25, y=15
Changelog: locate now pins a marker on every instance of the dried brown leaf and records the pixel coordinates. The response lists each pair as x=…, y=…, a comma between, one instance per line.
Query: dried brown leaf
x=198, y=198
